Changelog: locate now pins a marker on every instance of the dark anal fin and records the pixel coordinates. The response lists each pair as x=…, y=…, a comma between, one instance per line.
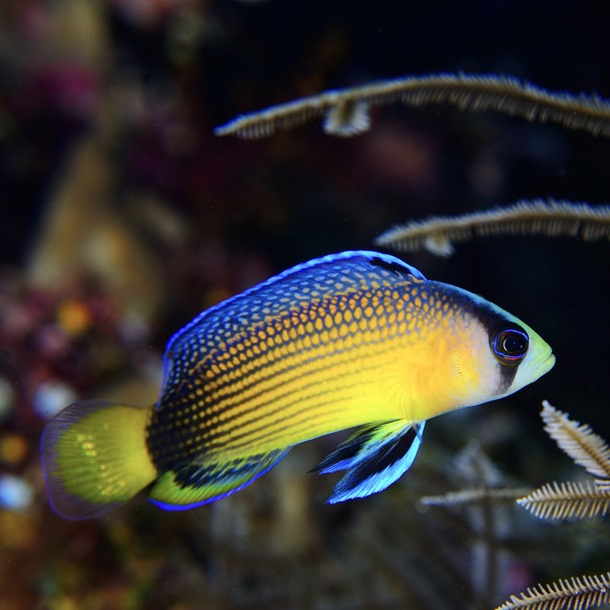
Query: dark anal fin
x=375, y=457
x=344, y=455
x=210, y=478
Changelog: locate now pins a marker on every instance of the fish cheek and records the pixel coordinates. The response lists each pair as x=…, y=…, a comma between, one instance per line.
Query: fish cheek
x=467, y=381
x=475, y=374
x=506, y=377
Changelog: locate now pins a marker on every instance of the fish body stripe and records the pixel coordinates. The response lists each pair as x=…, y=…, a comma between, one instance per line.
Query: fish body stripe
x=314, y=369
x=357, y=339
x=228, y=376
x=294, y=288
x=278, y=368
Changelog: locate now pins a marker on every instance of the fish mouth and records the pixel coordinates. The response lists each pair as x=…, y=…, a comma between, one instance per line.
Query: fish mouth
x=540, y=363
x=545, y=364
x=550, y=362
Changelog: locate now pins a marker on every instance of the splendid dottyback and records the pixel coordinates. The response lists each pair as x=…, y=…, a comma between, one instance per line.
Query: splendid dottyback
x=352, y=340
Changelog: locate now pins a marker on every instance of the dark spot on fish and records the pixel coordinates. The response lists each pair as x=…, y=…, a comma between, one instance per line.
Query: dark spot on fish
x=392, y=266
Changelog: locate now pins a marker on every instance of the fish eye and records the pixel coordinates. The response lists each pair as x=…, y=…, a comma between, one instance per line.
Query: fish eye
x=509, y=345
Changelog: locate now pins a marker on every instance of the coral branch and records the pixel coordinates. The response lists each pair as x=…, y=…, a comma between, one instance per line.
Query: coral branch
x=577, y=593
x=346, y=110
x=527, y=217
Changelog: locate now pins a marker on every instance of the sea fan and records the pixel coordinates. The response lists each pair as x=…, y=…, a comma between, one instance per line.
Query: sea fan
x=580, y=442
x=478, y=496
x=587, y=449
x=577, y=593
x=570, y=500
x=567, y=501
x=346, y=111
x=527, y=217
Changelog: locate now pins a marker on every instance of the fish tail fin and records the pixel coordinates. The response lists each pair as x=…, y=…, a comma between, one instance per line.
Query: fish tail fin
x=94, y=457
x=374, y=457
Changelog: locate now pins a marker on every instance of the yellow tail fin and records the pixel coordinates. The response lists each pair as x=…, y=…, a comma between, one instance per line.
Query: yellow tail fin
x=94, y=457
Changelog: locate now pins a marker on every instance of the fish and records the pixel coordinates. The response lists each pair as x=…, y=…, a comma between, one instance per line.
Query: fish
x=357, y=340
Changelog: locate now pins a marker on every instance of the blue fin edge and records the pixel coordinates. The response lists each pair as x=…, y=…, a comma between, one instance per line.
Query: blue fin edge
x=329, y=258
x=181, y=507
x=379, y=464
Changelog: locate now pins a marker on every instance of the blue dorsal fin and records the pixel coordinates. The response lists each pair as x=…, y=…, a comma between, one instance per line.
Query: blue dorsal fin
x=375, y=457
x=210, y=478
x=317, y=279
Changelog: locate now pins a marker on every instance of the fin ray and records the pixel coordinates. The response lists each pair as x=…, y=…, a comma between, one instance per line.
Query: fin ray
x=344, y=456
x=375, y=457
x=94, y=457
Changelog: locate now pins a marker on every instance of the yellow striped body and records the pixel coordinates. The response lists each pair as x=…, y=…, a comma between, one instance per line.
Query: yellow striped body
x=335, y=361
x=352, y=340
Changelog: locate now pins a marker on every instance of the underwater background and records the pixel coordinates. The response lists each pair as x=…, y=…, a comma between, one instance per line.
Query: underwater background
x=123, y=216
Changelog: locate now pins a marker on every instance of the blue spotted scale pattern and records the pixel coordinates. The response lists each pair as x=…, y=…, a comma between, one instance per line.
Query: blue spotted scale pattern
x=354, y=341
x=206, y=358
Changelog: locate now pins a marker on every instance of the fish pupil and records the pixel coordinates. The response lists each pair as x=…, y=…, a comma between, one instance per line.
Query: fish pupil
x=509, y=345
x=514, y=344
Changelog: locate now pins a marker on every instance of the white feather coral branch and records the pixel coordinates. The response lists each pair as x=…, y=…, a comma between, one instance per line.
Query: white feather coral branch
x=580, y=442
x=466, y=91
x=577, y=593
x=526, y=217
x=568, y=500
x=473, y=496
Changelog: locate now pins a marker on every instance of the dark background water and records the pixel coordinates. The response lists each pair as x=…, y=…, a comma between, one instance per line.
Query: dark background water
x=123, y=216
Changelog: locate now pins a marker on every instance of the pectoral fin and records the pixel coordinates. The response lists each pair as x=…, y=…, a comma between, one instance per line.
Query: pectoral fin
x=210, y=478
x=375, y=456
